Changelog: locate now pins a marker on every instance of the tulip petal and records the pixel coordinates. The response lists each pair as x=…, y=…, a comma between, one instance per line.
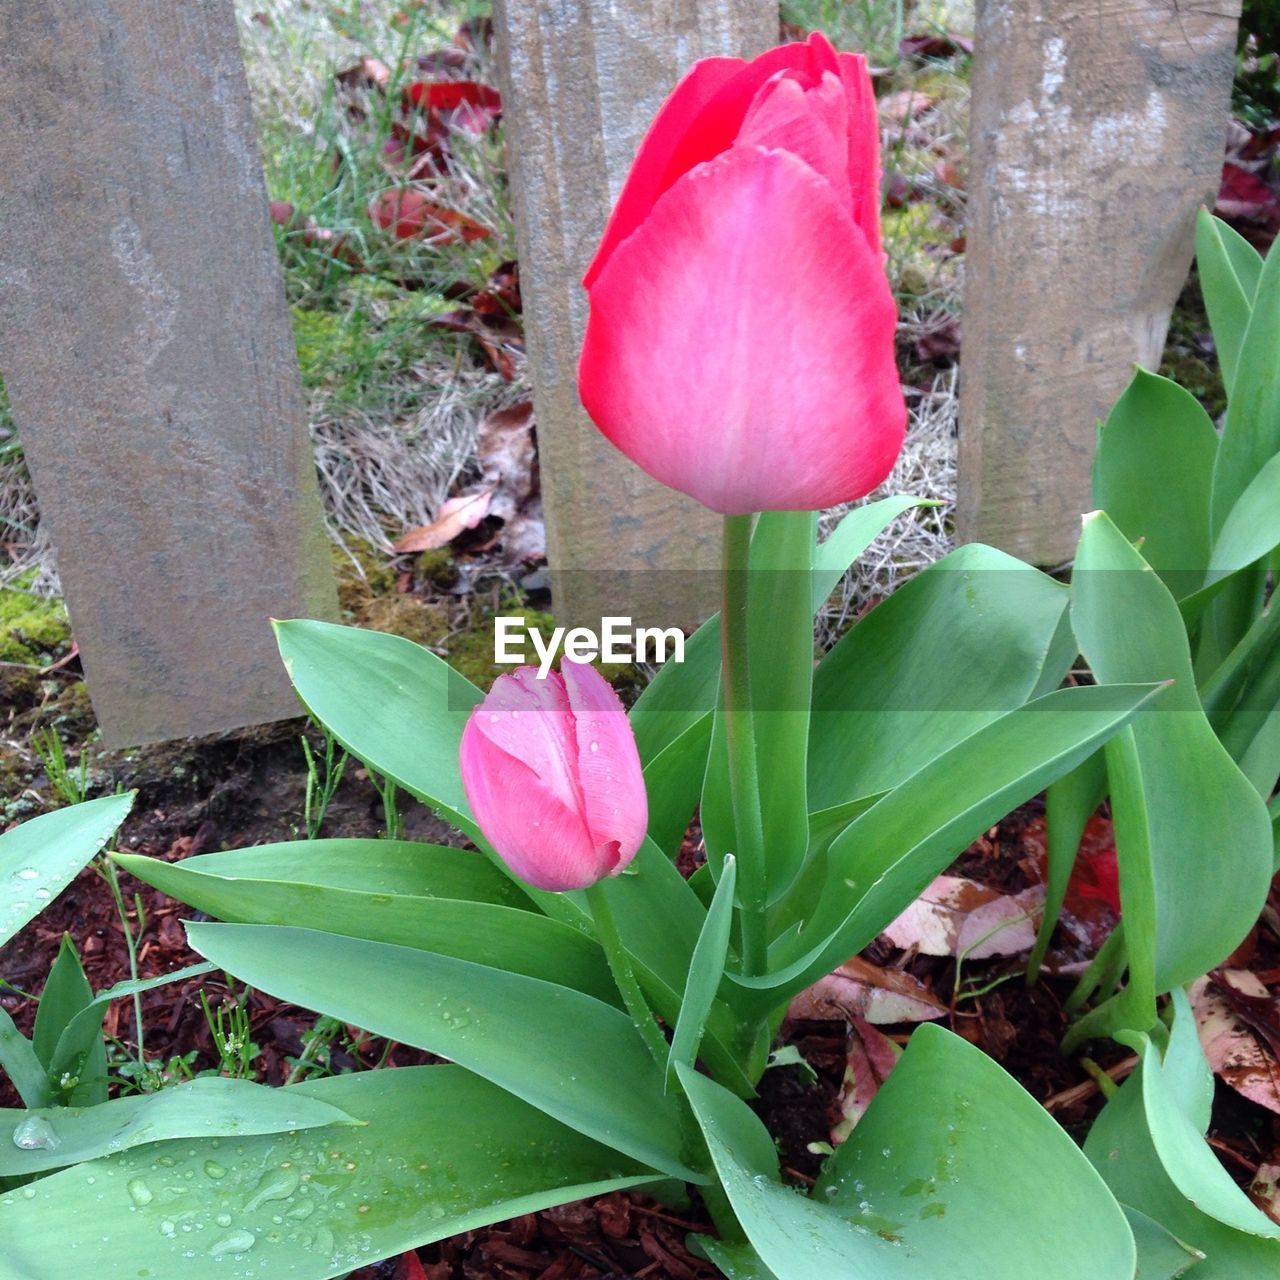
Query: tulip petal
x=543, y=842
x=530, y=719
x=864, y=144
x=697, y=122
x=740, y=342
x=813, y=124
x=617, y=809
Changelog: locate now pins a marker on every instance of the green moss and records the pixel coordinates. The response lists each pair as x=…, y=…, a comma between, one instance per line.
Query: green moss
x=913, y=237
x=32, y=629
x=359, y=583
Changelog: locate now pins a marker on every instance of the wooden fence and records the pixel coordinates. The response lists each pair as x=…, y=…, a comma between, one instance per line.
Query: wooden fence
x=146, y=345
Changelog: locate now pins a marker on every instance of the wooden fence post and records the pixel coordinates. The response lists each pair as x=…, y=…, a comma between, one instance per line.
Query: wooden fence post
x=1096, y=133
x=581, y=81
x=146, y=345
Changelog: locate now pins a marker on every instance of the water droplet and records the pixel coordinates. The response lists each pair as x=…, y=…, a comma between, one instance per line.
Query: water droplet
x=35, y=1133
x=232, y=1242
x=28, y=1193
x=26, y=873
x=324, y=1240
x=139, y=1192
x=167, y=1228
x=595, y=746
x=223, y=1219
x=214, y=1170
x=275, y=1184
x=303, y=1210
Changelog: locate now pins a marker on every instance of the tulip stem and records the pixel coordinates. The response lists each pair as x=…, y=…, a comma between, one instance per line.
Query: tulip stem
x=624, y=975
x=744, y=781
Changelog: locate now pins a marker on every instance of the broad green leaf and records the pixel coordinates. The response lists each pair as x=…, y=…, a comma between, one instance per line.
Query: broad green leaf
x=66, y=993
x=76, y=1050
x=1251, y=431
x=39, y=858
x=210, y=1107
x=1252, y=527
x=1069, y=804
x=950, y=1145
x=1147, y=1145
x=851, y=537
x=950, y=651
x=705, y=972
x=736, y=1259
x=390, y=702
x=680, y=695
x=1160, y=1255
x=886, y=858
x=1188, y=796
x=277, y=884
x=440, y=1152
x=26, y=1072
x=1164, y=506
x=1229, y=268
x=572, y=1056
x=673, y=783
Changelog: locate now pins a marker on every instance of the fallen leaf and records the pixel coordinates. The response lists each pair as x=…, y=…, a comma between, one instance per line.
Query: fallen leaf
x=860, y=989
x=935, y=45
x=368, y=72
x=407, y=212
x=1237, y=1054
x=905, y=105
x=1264, y=1191
x=505, y=448
x=458, y=104
x=454, y=517
x=955, y=917
x=870, y=1056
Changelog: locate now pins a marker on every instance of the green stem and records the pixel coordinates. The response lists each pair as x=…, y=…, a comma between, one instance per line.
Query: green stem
x=624, y=975
x=744, y=782
x=131, y=946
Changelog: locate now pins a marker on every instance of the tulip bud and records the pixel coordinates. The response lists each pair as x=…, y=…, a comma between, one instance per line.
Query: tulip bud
x=740, y=346
x=553, y=778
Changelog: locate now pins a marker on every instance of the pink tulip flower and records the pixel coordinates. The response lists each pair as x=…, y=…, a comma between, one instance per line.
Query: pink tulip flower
x=553, y=778
x=740, y=341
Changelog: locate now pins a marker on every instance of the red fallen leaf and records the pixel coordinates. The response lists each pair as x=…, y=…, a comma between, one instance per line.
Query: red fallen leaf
x=407, y=213
x=282, y=213
x=454, y=517
x=1264, y=1191
x=462, y=104
x=871, y=1055
x=905, y=105
x=897, y=191
x=499, y=337
x=448, y=58
x=1095, y=878
x=411, y=1267
x=941, y=342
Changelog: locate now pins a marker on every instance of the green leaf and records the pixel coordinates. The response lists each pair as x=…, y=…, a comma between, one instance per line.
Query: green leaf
x=24, y=1069
x=955, y=648
x=51, y=1138
x=441, y=1152
x=1160, y=1255
x=1251, y=431
x=1147, y=1145
x=680, y=695
x=1069, y=804
x=673, y=783
x=39, y=858
x=950, y=1145
x=66, y=993
x=390, y=702
x=705, y=972
x=851, y=537
x=1166, y=507
x=736, y=1259
x=1229, y=267
x=886, y=858
x=1187, y=795
x=76, y=1051
x=406, y=900
x=572, y=1056
x=1252, y=527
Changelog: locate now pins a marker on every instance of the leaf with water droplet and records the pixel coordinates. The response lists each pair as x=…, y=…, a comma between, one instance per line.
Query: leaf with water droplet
x=204, y=1107
x=442, y=1151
